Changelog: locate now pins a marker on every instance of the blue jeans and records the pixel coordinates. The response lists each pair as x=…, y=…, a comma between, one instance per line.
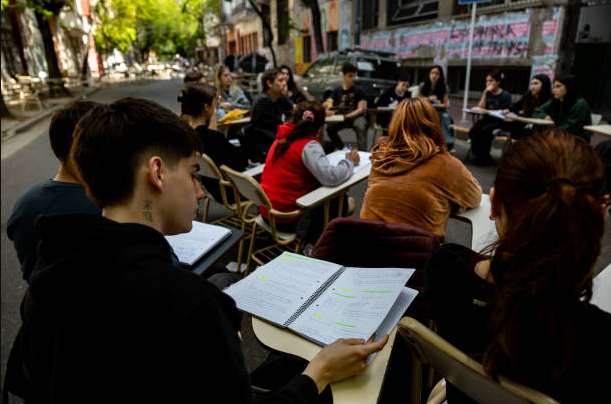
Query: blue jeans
x=445, y=119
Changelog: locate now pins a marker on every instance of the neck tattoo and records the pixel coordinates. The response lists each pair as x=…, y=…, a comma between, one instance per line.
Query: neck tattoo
x=147, y=210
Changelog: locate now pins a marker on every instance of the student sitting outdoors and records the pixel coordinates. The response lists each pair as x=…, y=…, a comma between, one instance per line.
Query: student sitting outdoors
x=350, y=99
x=199, y=103
x=266, y=115
x=232, y=96
x=195, y=76
x=413, y=179
x=62, y=194
x=539, y=93
x=296, y=164
x=107, y=317
x=435, y=89
x=481, y=134
x=294, y=92
x=568, y=110
x=392, y=97
x=523, y=311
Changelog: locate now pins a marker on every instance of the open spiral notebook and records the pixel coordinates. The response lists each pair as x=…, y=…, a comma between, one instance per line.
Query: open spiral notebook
x=323, y=301
x=203, y=237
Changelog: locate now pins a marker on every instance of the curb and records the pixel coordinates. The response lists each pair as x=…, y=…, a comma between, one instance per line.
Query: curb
x=34, y=120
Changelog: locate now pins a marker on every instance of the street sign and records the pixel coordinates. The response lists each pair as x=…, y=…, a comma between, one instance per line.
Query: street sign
x=461, y=2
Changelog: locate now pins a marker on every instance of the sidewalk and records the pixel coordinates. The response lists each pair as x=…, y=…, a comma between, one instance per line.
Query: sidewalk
x=23, y=120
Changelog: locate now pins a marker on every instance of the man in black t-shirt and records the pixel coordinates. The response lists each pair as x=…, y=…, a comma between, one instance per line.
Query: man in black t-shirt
x=392, y=97
x=350, y=100
x=266, y=115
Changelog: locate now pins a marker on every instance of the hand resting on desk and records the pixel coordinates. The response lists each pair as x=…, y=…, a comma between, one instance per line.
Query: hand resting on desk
x=354, y=156
x=342, y=359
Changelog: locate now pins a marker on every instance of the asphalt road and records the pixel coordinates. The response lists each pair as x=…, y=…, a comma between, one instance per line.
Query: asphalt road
x=27, y=159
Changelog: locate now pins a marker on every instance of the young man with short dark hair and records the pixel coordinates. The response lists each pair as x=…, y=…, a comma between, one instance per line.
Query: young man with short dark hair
x=392, y=97
x=62, y=194
x=266, y=115
x=107, y=317
x=350, y=99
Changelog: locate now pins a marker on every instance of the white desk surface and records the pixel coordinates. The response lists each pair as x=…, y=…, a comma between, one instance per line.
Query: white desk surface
x=483, y=229
x=322, y=194
x=337, y=118
x=600, y=129
x=256, y=170
x=362, y=389
x=534, y=121
x=601, y=290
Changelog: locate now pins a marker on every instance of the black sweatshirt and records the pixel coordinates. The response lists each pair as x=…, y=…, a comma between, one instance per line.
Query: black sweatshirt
x=108, y=319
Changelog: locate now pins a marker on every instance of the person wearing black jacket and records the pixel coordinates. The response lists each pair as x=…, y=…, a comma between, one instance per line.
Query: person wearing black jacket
x=266, y=115
x=199, y=103
x=392, y=97
x=107, y=317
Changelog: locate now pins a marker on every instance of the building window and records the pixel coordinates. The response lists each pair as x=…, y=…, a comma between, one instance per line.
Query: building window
x=404, y=11
x=464, y=8
x=369, y=14
x=331, y=41
x=307, y=49
x=283, y=21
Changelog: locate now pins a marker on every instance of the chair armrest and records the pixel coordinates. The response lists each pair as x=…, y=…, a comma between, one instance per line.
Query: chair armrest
x=286, y=215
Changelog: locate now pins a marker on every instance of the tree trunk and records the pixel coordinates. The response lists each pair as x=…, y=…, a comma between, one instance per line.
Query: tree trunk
x=56, y=87
x=266, y=27
x=313, y=5
x=5, y=111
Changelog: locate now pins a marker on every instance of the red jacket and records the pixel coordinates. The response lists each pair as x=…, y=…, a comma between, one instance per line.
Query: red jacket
x=285, y=179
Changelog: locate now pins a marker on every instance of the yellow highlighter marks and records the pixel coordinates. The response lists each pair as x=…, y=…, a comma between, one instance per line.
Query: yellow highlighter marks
x=306, y=259
x=260, y=277
x=317, y=315
x=351, y=297
x=345, y=325
x=347, y=290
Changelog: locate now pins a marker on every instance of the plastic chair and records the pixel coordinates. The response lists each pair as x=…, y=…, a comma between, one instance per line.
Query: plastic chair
x=208, y=169
x=246, y=185
x=459, y=369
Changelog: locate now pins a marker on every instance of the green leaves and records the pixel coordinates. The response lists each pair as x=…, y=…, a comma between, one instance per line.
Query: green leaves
x=163, y=26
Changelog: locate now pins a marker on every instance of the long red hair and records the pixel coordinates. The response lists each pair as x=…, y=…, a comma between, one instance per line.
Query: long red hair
x=415, y=125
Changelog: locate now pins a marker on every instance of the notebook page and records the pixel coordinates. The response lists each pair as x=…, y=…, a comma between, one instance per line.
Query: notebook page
x=364, y=161
x=203, y=237
x=277, y=289
x=406, y=297
x=353, y=306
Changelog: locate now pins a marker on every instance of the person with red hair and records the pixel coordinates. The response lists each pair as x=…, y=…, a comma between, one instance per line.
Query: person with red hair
x=521, y=306
x=414, y=180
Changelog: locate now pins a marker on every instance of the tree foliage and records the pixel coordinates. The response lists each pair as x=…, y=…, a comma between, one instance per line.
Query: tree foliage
x=162, y=26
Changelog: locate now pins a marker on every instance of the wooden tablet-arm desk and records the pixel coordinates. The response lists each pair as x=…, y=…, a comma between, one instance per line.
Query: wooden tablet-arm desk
x=362, y=389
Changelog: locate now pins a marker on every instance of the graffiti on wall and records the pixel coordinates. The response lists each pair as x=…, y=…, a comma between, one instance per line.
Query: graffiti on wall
x=545, y=64
x=504, y=36
x=548, y=32
x=345, y=23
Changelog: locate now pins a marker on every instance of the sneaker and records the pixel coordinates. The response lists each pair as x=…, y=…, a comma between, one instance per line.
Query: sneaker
x=351, y=206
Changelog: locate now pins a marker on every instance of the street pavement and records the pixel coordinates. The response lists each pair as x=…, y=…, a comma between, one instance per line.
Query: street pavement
x=27, y=159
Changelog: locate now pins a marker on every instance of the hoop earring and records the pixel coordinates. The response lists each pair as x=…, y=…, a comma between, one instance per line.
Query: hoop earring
x=492, y=218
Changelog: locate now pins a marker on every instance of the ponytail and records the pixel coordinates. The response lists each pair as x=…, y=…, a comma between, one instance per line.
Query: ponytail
x=308, y=118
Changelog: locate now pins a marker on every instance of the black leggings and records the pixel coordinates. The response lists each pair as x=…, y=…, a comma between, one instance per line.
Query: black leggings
x=481, y=136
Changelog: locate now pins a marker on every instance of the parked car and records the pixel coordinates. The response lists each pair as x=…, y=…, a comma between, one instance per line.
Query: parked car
x=376, y=71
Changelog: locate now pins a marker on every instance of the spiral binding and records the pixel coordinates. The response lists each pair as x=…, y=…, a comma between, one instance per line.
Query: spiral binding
x=314, y=296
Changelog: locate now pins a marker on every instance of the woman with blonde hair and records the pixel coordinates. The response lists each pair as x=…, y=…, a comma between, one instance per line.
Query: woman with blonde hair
x=414, y=180
x=232, y=96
